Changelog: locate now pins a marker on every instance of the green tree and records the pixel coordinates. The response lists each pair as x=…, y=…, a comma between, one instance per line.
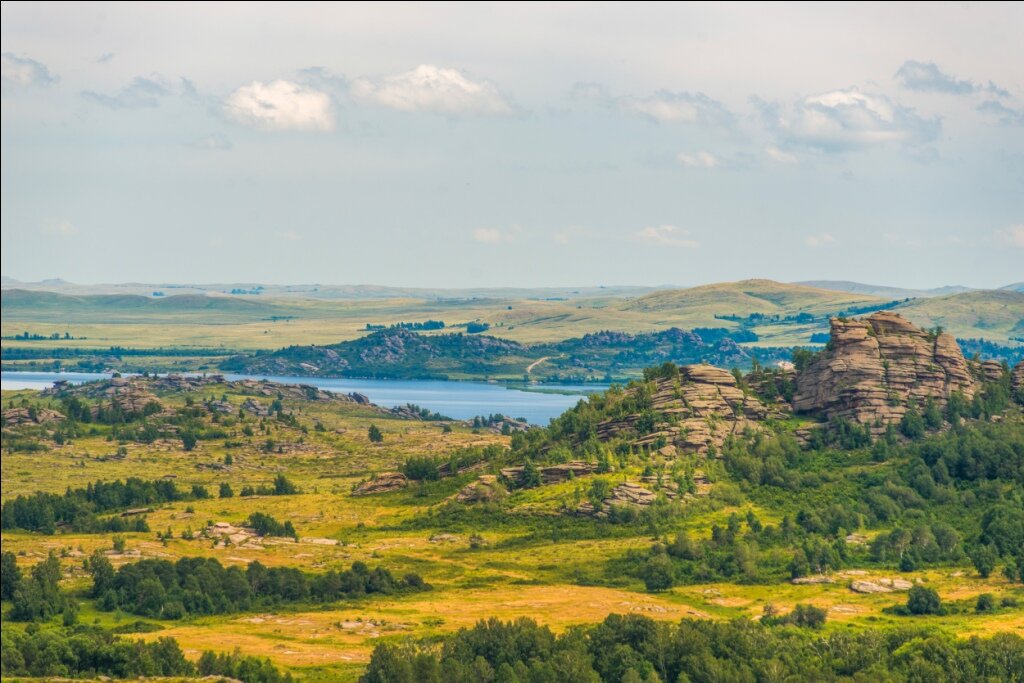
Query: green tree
x=923, y=600
x=225, y=490
x=375, y=435
x=10, y=575
x=659, y=573
x=984, y=559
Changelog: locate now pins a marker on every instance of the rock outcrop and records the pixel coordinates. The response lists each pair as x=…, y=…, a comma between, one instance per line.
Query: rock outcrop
x=880, y=586
x=873, y=367
x=485, y=489
x=1017, y=381
x=14, y=417
x=382, y=483
x=703, y=407
x=990, y=370
x=551, y=474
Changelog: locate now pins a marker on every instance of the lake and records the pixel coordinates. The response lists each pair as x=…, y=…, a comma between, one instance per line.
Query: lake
x=460, y=400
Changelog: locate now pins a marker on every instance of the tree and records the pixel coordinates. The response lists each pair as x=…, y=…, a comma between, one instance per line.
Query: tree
x=10, y=576
x=807, y=616
x=923, y=600
x=531, y=476
x=986, y=603
x=658, y=573
x=189, y=440
x=984, y=559
x=225, y=490
x=912, y=424
x=376, y=436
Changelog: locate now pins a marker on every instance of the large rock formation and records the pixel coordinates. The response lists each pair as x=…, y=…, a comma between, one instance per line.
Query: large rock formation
x=703, y=406
x=874, y=366
x=1017, y=381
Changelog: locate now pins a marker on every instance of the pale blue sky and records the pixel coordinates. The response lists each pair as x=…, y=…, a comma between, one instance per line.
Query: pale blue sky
x=503, y=145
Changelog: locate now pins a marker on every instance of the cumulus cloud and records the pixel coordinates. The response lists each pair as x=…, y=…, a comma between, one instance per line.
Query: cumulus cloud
x=928, y=77
x=280, y=105
x=215, y=142
x=667, y=235
x=823, y=239
x=1012, y=236
x=494, y=235
x=23, y=72
x=841, y=120
x=434, y=89
x=698, y=160
x=779, y=156
x=1007, y=116
x=678, y=107
x=141, y=93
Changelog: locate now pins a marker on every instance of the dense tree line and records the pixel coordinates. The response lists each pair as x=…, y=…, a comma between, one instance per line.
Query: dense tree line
x=202, y=586
x=635, y=648
x=77, y=508
x=90, y=652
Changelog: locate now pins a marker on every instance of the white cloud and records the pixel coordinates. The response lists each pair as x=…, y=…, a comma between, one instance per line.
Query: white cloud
x=280, y=105
x=678, y=107
x=698, y=160
x=291, y=235
x=141, y=93
x=573, y=232
x=495, y=236
x=823, y=239
x=848, y=119
x=1012, y=236
x=24, y=72
x=667, y=235
x=928, y=77
x=61, y=228
x=777, y=155
x=215, y=142
x=433, y=89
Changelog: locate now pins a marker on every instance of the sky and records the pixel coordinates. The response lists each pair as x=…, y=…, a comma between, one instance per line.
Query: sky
x=475, y=145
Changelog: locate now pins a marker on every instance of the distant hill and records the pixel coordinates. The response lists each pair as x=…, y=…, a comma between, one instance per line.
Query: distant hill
x=18, y=304
x=1016, y=287
x=990, y=314
x=884, y=291
x=748, y=296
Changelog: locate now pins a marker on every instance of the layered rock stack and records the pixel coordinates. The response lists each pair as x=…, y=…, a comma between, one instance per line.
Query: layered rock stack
x=705, y=405
x=873, y=367
x=1017, y=381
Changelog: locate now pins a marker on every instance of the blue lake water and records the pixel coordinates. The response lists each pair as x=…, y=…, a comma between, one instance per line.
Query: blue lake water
x=460, y=400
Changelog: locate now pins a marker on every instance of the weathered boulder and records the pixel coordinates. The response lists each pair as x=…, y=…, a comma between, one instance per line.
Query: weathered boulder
x=382, y=483
x=1017, y=381
x=880, y=586
x=486, y=488
x=873, y=367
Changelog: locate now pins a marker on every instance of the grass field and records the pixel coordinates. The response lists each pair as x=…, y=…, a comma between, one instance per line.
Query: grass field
x=514, y=571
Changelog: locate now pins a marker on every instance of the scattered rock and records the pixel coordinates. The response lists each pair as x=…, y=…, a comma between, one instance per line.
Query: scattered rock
x=880, y=586
x=806, y=580
x=382, y=483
